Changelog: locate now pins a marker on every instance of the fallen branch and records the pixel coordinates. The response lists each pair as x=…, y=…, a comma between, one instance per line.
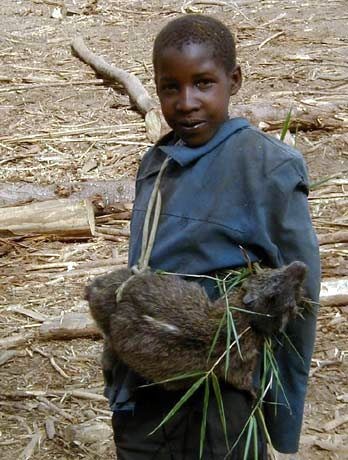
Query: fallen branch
x=24, y=394
x=337, y=237
x=132, y=84
x=136, y=91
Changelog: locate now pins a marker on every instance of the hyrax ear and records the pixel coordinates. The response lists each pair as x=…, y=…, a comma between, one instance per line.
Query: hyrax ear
x=249, y=298
x=235, y=79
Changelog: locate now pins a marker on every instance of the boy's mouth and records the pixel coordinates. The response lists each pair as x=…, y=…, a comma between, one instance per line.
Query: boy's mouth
x=191, y=125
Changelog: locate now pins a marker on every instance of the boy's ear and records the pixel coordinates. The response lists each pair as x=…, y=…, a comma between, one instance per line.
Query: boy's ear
x=236, y=79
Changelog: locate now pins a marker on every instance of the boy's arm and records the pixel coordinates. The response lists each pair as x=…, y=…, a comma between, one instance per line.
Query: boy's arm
x=291, y=230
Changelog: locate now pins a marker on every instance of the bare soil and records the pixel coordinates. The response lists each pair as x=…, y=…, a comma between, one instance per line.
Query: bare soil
x=60, y=122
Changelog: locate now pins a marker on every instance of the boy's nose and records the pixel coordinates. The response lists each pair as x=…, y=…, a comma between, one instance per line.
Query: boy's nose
x=187, y=101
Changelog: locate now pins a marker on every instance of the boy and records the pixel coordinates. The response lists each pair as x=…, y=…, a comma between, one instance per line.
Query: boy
x=227, y=185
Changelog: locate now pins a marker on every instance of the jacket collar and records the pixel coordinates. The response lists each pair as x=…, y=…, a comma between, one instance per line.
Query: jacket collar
x=185, y=155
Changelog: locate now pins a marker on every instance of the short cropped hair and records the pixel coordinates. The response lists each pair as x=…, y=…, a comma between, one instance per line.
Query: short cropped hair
x=197, y=29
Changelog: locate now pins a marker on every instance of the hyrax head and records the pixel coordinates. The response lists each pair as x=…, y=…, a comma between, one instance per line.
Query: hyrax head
x=273, y=295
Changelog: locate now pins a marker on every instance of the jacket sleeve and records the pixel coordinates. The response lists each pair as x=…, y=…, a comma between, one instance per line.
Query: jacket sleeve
x=290, y=228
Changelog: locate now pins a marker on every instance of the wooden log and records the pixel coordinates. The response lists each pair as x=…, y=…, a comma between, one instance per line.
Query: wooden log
x=69, y=326
x=106, y=196
x=54, y=217
x=330, y=238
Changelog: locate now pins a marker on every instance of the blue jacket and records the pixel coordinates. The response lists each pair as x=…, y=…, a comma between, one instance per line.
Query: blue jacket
x=242, y=188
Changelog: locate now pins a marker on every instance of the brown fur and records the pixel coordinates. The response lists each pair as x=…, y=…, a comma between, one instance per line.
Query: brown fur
x=164, y=326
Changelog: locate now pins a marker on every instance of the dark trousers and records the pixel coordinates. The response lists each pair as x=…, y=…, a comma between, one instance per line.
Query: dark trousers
x=179, y=438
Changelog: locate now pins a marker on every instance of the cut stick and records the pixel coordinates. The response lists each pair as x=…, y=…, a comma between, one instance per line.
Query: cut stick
x=62, y=217
x=135, y=89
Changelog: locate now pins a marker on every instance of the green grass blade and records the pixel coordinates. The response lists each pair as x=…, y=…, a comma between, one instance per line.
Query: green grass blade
x=248, y=439
x=228, y=342
x=286, y=125
x=204, y=417
x=274, y=367
x=235, y=334
x=265, y=430
x=293, y=346
x=245, y=426
x=220, y=404
x=194, y=387
x=189, y=375
x=256, y=440
x=216, y=336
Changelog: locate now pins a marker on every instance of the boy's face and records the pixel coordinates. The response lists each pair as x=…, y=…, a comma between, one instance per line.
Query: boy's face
x=194, y=90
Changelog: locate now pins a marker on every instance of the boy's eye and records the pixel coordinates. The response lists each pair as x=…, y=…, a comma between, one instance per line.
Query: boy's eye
x=169, y=88
x=204, y=84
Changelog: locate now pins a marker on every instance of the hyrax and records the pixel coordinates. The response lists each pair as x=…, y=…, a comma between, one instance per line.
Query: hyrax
x=164, y=326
